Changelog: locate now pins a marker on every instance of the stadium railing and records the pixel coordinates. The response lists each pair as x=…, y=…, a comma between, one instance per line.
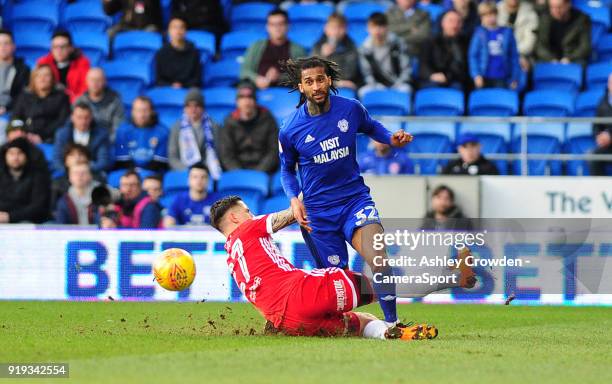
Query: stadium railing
x=518, y=122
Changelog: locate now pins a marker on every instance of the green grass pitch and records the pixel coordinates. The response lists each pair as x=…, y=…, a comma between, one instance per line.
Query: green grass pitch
x=126, y=342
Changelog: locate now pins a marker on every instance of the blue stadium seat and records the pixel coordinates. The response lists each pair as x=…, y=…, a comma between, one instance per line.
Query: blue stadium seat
x=387, y=102
x=604, y=48
x=438, y=102
x=358, y=34
x=250, y=185
x=235, y=44
x=224, y=73
x=250, y=16
x=430, y=137
x=548, y=103
x=543, y=138
x=579, y=141
x=128, y=78
x=219, y=102
x=493, y=102
x=493, y=137
x=562, y=77
x=47, y=150
x=597, y=75
x=85, y=17
x=434, y=10
x=600, y=20
x=136, y=46
x=167, y=200
x=204, y=42
x=39, y=16
x=176, y=182
x=274, y=204
x=347, y=92
x=168, y=103
x=32, y=45
x=244, y=179
x=93, y=44
x=279, y=101
x=587, y=102
x=357, y=13
x=309, y=17
x=304, y=37
x=276, y=187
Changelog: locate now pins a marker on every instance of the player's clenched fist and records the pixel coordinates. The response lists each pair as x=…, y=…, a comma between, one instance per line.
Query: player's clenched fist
x=299, y=213
x=400, y=138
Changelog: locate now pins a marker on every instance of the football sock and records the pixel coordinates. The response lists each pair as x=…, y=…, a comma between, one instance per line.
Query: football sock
x=386, y=296
x=375, y=329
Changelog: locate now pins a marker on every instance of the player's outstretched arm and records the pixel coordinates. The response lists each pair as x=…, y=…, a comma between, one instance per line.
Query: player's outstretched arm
x=282, y=219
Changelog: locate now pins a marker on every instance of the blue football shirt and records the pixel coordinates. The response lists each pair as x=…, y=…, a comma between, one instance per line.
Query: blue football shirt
x=190, y=212
x=324, y=149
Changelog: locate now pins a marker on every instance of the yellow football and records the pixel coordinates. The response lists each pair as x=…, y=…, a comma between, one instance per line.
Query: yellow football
x=174, y=269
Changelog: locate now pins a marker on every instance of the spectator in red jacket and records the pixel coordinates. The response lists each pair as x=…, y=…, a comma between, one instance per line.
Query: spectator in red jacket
x=69, y=64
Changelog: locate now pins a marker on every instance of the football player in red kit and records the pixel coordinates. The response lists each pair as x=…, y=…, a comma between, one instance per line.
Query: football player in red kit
x=319, y=302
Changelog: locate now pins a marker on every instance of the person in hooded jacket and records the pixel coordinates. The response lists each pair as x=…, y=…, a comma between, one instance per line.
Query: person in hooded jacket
x=24, y=189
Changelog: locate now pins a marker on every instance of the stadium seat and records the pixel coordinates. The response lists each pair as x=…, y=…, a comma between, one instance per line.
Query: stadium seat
x=47, y=150
x=438, y=102
x=167, y=200
x=493, y=137
x=357, y=13
x=493, y=102
x=358, y=35
x=276, y=187
x=176, y=182
x=250, y=16
x=347, y=92
x=204, y=42
x=562, y=77
x=306, y=38
x=597, y=75
x=587, y=102
x=128, y=78
x=85, y=17
x=600, y=20
x=224, y=73
x=387, y=102
x=32, y=45
x=250, y=185
x=93, y=44
x=39, y=16
x=309, y=17
x=136, y=46
x=219, y=102
x=235, y=44
x=544, y=138
x=579, y=141
x=430, y=137
x=168, y=103
x=274, y=204
x=604, y=48
x=434, y=10
x=279, y=101
x=548, y=103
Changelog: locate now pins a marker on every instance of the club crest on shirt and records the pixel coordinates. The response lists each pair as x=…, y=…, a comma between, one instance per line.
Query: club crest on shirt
x=343, y=125
x=333, y=259
x=153, y=142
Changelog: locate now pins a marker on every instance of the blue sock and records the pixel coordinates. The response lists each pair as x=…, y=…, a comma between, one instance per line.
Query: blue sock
x=386, y=297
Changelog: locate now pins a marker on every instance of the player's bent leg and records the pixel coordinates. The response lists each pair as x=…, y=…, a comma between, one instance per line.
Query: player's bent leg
x=363, y=242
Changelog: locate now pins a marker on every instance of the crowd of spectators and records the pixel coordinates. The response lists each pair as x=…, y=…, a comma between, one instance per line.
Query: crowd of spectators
x=66, y=103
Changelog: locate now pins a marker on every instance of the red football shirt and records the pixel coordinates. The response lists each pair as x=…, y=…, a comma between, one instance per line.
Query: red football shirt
x=263, y=275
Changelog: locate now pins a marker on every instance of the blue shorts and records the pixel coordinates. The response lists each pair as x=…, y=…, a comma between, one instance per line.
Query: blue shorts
x=332, y=227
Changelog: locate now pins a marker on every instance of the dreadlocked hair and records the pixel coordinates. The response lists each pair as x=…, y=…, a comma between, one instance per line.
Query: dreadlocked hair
x=292, y=69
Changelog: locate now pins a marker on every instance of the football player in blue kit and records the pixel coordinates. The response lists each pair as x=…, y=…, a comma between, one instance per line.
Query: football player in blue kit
x=320, y=138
